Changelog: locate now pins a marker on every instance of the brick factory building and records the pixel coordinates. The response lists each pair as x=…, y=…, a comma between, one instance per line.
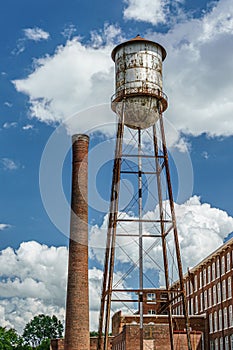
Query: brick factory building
x=209, y=295
x=209, y=287
x=125, y=332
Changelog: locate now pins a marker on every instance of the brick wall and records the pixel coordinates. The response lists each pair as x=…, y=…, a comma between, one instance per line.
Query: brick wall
x=180, y=341
x=77, y=305
x=156, y=337
x=209, y=289
x=58, y=344
x=94, y=341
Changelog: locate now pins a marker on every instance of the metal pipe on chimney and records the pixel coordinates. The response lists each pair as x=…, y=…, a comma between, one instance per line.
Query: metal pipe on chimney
x=77, y=303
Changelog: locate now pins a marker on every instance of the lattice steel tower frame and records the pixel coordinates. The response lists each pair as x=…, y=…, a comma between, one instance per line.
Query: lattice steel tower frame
x=139, y=102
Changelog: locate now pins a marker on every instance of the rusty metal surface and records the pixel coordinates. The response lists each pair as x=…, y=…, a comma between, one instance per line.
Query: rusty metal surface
x=175, y=233
x=104, y=318
x=140, y=91
x=138, y=38
x=163, y=231
x=109, y=290
x=138, y=66
x=139, y=102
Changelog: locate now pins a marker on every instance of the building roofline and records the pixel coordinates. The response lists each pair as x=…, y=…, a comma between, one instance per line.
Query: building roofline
x=209, y=257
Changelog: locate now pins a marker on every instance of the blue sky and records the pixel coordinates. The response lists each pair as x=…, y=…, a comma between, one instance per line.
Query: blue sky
x=55, y=64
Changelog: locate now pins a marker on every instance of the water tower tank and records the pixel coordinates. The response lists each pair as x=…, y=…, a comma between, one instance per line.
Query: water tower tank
x=138, y=66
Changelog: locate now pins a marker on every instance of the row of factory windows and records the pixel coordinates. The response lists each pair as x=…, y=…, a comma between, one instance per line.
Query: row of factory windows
x=211, y=273
x=218, y=343
x=221, y=320
x=210, y=297
x=152, y=297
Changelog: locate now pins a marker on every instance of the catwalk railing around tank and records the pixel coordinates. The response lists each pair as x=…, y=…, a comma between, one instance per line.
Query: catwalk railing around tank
x=139, y=91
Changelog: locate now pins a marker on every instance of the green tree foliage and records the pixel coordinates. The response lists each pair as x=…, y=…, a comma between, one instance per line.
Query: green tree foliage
x=9, y=340
x=40, y=329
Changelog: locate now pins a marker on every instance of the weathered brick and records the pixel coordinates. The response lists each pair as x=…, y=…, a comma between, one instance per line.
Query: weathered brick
x=77, y=304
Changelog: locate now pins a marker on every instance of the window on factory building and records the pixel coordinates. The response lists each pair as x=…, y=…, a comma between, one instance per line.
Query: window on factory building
x=213, y=271
x=151, y=297
x=196, y=304
x=220, y=319
x=221, y=343
x=217, y=268
x=223, y=265
x=151, y=312
x=219, y=292
x=214, y=296
x=211, y=323
x=195, y=283
x=230, y=316
x=204, y=277
x=216, y=344
x=229, y=289
x=225, y=318
x=201, y=302
x=231, y=342
x=210, y=297
x=200, y=279
x=211, y=345
x=205, y=300
x=163, y=296
x=209, y=274
x=228, y=261
x=191, y=306
x=215, y=321
x=224, y=296
x=191, y=287
x=226, y=343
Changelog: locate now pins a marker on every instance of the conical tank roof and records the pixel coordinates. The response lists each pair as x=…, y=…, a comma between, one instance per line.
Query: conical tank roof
x=138, y=38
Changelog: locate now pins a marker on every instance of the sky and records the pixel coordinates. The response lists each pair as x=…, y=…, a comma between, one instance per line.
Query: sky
x=56, y=79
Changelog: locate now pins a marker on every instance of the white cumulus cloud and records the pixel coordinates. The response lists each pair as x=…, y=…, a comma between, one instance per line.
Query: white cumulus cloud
x=152, y=11
x=201, y=230
x=35, y=34
x=34, y=277
x=33, y=281
x=74, y=78
x=198, y=72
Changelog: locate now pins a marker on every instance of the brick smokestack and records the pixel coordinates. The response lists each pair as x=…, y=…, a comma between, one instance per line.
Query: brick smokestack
x=77, y=303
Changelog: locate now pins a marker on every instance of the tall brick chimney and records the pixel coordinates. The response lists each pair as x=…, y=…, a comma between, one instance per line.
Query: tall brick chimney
x=77, y=303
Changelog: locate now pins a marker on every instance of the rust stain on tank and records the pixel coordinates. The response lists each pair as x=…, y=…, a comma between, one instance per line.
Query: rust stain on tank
x=138, y=65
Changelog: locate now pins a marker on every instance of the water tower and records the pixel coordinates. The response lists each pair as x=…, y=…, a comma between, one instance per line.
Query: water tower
x=134, y=230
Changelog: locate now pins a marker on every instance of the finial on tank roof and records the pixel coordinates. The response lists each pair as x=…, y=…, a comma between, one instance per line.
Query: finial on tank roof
x=137, y=37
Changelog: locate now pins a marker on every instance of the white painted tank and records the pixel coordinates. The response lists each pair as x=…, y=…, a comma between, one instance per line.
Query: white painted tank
x=138, y=66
